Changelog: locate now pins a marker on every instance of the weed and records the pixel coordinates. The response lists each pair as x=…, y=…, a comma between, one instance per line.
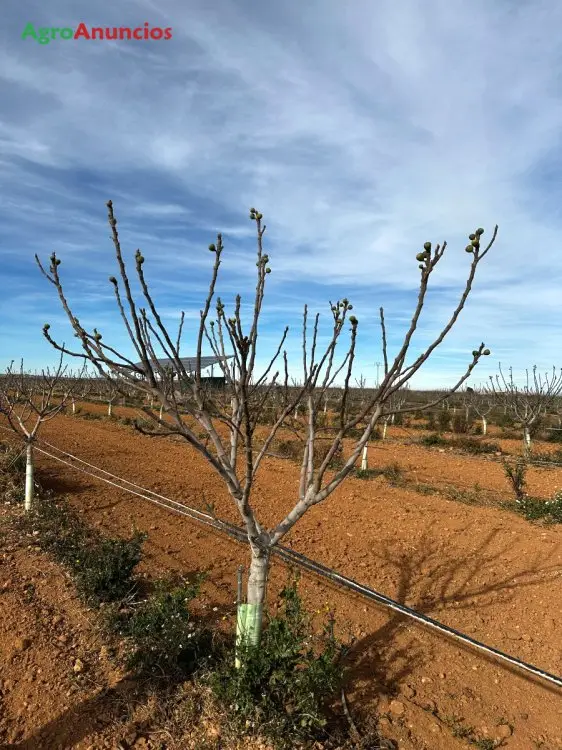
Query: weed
x=282, y=686
x=510, y=435
x=102, y=568
x=163, y=637
x=91, y=415
x=516, y=476
x=555, y=457
x=12, y=473
x=534, y=508
x=425, y=489
x=484, y=743
x=433, y=440
x=474, y=446
x=469, y=497
x=458, y=729
x=393, y=472
x=103, y=571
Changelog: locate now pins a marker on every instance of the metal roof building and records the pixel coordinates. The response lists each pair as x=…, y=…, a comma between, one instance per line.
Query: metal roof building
x=190, y=362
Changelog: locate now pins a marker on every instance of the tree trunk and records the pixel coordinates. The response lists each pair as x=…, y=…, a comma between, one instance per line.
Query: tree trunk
x=384, y=426
x=28, y=477
x=364, y=464
x=161, y=410
x=73, y=406
x=250, y=614
x=526, y=440
x=109, y=408
x=484, y=426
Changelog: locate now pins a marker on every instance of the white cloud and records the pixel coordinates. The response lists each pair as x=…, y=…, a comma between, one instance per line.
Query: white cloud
x=359, y=129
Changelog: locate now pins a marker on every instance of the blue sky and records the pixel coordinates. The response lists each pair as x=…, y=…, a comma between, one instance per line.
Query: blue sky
x=359, y=129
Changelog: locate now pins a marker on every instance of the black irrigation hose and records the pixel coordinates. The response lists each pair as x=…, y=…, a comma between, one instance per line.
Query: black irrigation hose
x=312, y=566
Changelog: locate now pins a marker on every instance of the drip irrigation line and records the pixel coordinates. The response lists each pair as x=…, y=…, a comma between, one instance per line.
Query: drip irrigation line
x=297, y=558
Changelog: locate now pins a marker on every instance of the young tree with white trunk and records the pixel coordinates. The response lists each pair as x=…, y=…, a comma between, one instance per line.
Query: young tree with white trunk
x=229, y=425
x=482, y=403
x=529, y=402
x=27, y=401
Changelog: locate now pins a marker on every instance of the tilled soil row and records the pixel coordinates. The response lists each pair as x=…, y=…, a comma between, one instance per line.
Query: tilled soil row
x=482, y=570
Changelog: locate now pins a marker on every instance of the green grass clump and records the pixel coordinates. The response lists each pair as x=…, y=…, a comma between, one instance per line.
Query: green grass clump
x=433, y=440
x=163, y=638
x=534, y=508
x=281, y=690
x=102, y=568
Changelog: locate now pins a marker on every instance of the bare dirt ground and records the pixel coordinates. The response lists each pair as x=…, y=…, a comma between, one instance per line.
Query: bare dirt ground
x=482, y=570
x=57, y=686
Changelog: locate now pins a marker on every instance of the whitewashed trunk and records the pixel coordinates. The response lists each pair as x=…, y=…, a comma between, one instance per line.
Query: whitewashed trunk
x=73, y=406
x=384, y=426
x=28, y=501
x=364, y=464
x=109, y=408
x=392, y=419
x=161, y=410
x=526, y=439
x=250, y=615
x=484, y=426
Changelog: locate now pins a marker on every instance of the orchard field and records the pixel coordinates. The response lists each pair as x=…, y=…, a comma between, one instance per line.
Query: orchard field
x=430, y=526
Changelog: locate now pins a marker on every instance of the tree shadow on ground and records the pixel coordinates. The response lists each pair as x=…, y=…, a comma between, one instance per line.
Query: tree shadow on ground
x=428, y=584
x=54, y=482
x=89, y=717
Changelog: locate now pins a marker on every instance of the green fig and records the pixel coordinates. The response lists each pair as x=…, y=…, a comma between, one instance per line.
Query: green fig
x=427, y=245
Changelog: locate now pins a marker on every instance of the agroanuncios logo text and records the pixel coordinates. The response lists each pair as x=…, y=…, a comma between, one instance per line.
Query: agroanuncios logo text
x=44, y=35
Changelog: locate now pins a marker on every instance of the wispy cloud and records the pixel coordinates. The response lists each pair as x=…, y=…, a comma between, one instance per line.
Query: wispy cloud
x=360, y=130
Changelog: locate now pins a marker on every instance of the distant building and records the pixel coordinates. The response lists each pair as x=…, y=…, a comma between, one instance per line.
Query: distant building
x=190, y=364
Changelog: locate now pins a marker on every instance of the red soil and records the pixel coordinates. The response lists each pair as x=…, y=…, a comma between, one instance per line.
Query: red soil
x=482, y=570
